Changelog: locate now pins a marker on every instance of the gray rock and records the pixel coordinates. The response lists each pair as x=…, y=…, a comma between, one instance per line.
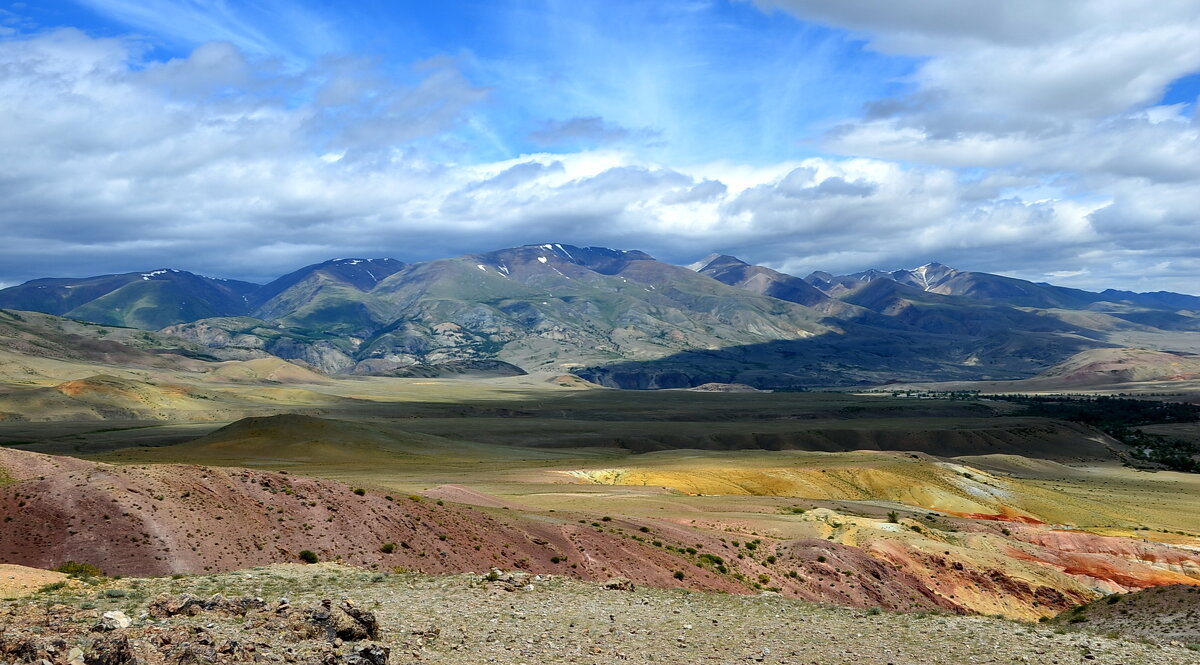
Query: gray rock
x=114, y=620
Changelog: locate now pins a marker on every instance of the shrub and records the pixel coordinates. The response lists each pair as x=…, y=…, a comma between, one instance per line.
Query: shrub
x=679, y=575
x=821, y=558
x=388, y=548
x=53, y=586
x=874, y=611
x=308, y=556
x=893, y=517
x=360, y=491
x=771, y=558
x=644, y=529
x=76, y=569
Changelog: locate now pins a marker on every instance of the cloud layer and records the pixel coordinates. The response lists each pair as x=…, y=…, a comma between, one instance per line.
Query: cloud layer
x=1031, y=141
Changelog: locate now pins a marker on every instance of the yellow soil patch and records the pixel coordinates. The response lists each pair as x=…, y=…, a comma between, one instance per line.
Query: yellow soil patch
x=17, y=581
x=266, y=369
x=865, y=476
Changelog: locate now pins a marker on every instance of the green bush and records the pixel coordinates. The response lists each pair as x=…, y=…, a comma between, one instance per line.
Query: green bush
x=679, y=575
x=388, y=548
x=76, y=569
x=308, y=556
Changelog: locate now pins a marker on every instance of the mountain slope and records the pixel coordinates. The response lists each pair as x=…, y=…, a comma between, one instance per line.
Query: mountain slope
x=330, y=296
x=758, y=279
x=149, y=300
x=557, y=307
x=545, y=304
x=549, y=306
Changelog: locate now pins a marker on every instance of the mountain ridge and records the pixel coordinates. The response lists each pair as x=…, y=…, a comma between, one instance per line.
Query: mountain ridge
x=562, y=308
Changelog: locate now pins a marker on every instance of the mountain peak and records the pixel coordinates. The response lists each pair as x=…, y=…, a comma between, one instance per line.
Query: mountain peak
x=716, y=260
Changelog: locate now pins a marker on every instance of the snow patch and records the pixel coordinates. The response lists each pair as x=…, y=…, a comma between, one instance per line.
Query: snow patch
x=541, y=259
x=154, y=273
x=481, y=267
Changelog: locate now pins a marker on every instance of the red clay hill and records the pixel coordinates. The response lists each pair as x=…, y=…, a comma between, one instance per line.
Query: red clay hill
x=164, y=519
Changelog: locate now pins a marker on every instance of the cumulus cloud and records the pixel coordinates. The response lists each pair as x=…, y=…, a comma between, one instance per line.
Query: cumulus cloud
x=229, y=165
x=1024, y=84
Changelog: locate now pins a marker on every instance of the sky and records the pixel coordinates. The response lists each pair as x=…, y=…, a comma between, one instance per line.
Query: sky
x=1052, y=141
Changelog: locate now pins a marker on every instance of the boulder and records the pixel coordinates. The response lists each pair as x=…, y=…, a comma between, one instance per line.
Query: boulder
x=114, y=620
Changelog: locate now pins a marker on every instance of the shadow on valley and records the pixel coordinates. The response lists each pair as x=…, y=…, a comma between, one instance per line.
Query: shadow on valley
x=639, y=422
x=863, y=355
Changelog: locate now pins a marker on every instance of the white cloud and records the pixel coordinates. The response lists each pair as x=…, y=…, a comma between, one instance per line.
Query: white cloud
x=227, y=165
x=1026, y=84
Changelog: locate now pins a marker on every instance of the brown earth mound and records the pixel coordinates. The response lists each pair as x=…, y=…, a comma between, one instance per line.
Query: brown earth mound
x=106, y=397
x=296, y=438
x=1101, y=367
x=276, y=370
x=1166, y=614
x=726, y=388
x=163, y=519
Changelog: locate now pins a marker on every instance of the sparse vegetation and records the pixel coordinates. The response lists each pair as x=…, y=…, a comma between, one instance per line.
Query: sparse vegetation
x=77, y=569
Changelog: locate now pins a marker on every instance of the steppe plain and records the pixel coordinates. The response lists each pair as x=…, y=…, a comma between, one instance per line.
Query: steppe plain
x=917, y=516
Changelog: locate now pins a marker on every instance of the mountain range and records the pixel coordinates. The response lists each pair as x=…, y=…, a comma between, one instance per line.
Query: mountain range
x=623, y=319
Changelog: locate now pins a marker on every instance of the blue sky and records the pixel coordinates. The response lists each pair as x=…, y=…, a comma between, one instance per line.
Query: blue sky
x=694, y=81
x=1044, y=140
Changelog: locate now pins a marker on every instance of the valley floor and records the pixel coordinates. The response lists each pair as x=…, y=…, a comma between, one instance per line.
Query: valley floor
x=860, y=500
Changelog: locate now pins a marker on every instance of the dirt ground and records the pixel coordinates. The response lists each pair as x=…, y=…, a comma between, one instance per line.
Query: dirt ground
x=530, y=619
